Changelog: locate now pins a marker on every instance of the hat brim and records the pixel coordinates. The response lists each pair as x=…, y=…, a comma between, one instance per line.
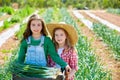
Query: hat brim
x=70, y=30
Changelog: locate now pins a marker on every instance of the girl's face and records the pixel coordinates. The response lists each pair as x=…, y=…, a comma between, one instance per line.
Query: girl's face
x=60, y=36
x=36, y=26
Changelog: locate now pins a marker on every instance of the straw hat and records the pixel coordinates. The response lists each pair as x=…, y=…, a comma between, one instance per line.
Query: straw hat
x=68, y=28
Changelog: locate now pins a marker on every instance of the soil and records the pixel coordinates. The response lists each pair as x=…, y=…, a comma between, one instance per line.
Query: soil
x=113, y=18
x=4, y=17
x=5, y=49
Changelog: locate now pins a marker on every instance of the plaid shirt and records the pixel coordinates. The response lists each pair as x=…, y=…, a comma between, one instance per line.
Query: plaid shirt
x=70, y=56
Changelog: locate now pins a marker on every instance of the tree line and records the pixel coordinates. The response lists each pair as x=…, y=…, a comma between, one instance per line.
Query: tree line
x=80, y=4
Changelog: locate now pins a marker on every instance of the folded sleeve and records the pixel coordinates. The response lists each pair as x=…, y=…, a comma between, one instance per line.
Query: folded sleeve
x=73, y=63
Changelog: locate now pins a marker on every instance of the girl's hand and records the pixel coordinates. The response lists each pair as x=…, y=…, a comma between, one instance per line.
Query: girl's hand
x=67, y=68
x=71, y=74
x=67, y=71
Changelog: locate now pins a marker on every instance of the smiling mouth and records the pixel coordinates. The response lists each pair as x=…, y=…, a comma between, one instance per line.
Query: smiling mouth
x=59, y=40
x=35, y=30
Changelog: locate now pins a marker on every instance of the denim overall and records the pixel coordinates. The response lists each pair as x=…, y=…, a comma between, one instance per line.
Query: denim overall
x=35, y=54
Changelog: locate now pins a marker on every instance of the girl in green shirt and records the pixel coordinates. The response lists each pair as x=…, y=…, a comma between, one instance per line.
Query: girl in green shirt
x=36, y=46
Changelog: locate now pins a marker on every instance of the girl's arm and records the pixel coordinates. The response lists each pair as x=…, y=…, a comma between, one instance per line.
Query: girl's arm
x=53, y=54
x=71, y=73
x=73, y=61
x=22, y=51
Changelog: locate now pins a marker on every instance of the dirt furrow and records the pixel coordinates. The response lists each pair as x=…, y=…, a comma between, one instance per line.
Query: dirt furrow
x=5, y=49
x=115, y=19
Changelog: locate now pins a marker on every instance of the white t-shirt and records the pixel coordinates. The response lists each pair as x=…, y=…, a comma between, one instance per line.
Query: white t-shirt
x=59, y=51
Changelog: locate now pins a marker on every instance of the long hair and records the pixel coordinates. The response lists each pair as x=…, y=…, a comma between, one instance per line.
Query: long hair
x=28, y=31
x=67, y=41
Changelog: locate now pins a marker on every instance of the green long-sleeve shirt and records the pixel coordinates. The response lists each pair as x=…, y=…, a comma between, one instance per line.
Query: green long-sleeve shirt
x=48, y=48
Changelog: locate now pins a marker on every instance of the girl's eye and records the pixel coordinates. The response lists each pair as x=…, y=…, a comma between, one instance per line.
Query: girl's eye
x=33, y=24
x=56, y=34
x=39, y=24
x=61, y=34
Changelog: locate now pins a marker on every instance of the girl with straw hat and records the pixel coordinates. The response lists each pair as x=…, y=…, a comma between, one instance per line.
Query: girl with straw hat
x=64, y=37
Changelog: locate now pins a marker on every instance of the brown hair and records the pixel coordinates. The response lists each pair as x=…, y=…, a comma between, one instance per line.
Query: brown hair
x=28, y=31
x=67, y=41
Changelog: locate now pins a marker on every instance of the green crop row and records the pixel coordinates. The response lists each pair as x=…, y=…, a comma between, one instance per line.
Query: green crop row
x=110, y=37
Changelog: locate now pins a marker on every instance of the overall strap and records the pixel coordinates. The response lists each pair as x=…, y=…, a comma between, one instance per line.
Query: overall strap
x=42, y=40
x=28, y=40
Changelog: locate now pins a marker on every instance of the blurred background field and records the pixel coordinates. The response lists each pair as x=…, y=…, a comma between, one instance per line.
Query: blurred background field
x=98, y=45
